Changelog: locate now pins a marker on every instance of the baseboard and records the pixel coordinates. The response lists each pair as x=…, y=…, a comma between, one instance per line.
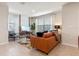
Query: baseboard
x=70, y=45
x=4, y=43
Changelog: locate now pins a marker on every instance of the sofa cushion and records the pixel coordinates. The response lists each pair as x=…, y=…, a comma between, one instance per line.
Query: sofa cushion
x=48, y=34
x=45, y=31
x=39, y=34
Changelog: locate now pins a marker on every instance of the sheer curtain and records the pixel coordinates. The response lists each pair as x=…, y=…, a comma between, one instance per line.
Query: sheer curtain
x=44, y=23
x=25, y=23
x=13, y=22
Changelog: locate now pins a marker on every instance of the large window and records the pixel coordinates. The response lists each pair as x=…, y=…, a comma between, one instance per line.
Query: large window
x=25, y=23
x=44, y=23
x=13, y=23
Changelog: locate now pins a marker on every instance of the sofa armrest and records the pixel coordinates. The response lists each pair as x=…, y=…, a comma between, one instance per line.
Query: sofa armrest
x=51, y=42
x=34, y=41
x=47, y=43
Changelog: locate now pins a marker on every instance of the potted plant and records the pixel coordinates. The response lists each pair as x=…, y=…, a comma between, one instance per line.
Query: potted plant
x=33, y=28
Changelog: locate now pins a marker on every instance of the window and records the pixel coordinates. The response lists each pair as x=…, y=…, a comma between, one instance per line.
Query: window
x=25, y=23
x=44, y=23
x=13, y=23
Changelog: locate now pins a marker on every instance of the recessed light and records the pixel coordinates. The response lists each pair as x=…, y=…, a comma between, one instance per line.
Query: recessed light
x=33, y=11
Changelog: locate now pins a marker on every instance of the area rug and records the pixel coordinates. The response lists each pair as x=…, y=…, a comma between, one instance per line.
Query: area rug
x=29, y=46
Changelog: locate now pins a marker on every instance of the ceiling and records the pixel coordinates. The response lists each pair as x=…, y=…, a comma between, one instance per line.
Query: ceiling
x=34, y=8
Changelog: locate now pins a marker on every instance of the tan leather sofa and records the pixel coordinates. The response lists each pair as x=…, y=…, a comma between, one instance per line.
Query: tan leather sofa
x=45, y=43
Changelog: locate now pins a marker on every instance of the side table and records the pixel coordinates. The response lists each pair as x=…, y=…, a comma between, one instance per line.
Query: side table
x=23, y=39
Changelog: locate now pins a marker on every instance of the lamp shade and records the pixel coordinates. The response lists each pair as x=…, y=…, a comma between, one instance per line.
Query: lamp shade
x=57, y=26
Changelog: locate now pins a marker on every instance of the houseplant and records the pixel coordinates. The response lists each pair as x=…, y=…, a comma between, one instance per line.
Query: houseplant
x=33, y=28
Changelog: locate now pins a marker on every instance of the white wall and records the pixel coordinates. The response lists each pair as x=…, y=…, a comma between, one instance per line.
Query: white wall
x=70, y=24
x=3, y=24
x=58, y=18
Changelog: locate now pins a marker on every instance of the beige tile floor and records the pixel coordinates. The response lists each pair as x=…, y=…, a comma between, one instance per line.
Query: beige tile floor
x=15, y=49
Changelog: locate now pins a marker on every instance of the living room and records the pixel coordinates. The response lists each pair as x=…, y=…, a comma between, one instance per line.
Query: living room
x=46, y=28
x=20, y=23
